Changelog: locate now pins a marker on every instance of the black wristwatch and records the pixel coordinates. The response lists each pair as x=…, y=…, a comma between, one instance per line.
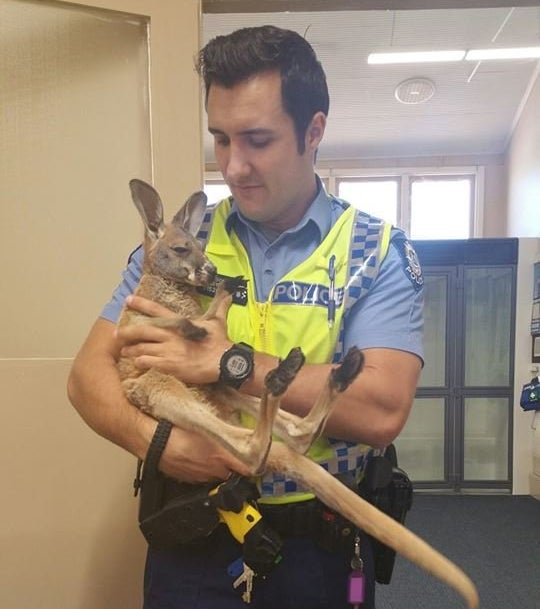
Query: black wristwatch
x=236, y=365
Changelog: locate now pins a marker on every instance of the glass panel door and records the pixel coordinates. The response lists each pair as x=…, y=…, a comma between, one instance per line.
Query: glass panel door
x=487, y=386
x=435, y=329
x=485, y=449
x=421, y=446
x=459, y=434
x=424, y=449
x=488, y=326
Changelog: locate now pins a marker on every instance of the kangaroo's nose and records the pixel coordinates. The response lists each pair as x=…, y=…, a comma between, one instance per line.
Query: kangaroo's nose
x=210, y=270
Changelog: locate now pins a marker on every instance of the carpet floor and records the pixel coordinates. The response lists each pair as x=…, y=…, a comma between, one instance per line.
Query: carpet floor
x=495, y=539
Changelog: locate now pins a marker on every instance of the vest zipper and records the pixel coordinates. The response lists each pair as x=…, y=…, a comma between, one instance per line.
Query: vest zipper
x=263, y=317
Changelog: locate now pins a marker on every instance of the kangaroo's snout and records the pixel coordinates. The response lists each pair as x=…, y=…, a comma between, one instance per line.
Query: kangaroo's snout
x=205, y=275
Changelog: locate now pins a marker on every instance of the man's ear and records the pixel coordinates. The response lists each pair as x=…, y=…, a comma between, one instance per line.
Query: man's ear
x=315, y=131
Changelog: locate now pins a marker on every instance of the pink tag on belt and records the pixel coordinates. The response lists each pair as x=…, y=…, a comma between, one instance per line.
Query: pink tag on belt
x=356, y=588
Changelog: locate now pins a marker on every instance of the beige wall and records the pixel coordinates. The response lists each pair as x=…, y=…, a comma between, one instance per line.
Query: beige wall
x=523, y=220
x=523, y=211
x=529, y=251
x=494, y=216
x=76, y=125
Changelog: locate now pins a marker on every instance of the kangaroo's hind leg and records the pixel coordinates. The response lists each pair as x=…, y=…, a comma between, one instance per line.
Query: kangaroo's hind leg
x=275, y=385
x=165, y=397
x=300, y=432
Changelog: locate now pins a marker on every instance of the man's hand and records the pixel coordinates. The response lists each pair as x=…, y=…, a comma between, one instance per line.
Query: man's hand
x=194, y=362
x=95, y=390
x=191, y=457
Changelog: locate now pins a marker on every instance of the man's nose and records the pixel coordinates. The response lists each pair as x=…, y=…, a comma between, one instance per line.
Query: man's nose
x=237, y=166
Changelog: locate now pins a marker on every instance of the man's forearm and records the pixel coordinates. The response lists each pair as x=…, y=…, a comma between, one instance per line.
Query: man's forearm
x=95, y=391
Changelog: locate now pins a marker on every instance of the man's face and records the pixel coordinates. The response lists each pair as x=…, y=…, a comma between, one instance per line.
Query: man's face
x=257, y=151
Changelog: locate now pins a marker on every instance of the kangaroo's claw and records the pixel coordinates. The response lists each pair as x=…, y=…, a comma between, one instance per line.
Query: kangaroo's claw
x=348, y=370
x=232, y=284
x=280, y=378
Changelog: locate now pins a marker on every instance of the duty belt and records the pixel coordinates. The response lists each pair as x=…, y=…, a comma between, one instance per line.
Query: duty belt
x=310, y=519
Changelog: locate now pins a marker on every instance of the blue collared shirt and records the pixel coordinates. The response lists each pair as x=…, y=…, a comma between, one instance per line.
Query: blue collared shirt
x=271, y=258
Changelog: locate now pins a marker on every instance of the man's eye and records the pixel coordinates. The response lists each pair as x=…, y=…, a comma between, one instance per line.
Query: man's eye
x=180, y=250
x=259, y=143
x=221, y=141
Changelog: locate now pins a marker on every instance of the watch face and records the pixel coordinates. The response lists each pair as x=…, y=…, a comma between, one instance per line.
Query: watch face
x=237, y=365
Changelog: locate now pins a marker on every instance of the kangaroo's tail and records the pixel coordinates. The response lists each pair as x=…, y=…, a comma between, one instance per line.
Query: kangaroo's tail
x=368, y=518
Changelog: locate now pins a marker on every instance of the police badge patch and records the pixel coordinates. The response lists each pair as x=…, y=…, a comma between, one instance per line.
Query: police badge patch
x=411, y=264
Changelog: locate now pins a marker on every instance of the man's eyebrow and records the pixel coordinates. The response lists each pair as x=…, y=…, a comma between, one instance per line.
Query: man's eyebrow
x=257, y=131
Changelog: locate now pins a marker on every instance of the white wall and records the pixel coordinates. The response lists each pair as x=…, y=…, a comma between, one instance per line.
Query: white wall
x=523, y=220
x=523, y=211
x=529, y=251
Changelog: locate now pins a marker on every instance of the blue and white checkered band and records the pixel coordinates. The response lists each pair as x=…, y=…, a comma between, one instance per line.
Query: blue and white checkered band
x=364, y=263
x=204, y=230
x=411, y=264
x=348, y=457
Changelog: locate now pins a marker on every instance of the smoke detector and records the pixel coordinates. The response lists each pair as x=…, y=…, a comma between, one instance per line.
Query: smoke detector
x=415, y=91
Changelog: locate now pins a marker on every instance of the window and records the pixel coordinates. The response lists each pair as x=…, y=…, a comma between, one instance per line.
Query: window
x=441, y=207
x=428, y=203
x=216, y=190
x=378, y=197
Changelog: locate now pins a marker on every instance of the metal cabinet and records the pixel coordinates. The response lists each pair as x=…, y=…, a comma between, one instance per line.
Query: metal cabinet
x=459, y=433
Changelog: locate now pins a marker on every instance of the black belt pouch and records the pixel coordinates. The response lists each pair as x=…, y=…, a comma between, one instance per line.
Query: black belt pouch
x=172, y=513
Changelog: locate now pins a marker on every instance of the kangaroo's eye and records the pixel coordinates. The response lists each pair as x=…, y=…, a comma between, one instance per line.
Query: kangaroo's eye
x=180, y=250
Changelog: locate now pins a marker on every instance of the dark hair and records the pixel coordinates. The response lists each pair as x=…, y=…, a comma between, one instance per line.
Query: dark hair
x=228, y=60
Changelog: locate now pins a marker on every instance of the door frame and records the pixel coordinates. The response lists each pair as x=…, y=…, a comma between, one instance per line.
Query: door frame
x=175, y=92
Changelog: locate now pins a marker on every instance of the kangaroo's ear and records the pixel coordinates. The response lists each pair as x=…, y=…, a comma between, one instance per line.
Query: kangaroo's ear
x=148, y=202
x=191, y=215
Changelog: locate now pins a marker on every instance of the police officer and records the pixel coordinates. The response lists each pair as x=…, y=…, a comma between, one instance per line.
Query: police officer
x=320, y=275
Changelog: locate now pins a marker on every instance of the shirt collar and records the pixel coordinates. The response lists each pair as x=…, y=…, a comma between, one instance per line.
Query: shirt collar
x=318, y=213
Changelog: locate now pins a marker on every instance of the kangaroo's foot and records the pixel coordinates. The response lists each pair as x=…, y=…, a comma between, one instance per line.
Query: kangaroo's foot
x=300, y=432
x=278, y=380
x=348, y=370
x=276, y=383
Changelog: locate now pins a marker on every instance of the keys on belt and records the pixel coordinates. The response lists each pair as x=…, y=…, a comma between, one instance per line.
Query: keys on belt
x=259, y=529
x=246, y=577
x=261, y=546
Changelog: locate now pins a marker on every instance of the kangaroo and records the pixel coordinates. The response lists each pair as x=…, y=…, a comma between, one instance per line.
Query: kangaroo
x=174, y=266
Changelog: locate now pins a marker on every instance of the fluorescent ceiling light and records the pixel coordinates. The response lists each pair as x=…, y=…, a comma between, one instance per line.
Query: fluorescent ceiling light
x=513, y=53
x=415, y=57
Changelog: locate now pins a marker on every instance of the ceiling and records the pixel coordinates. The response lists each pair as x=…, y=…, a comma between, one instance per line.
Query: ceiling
x=475, y=106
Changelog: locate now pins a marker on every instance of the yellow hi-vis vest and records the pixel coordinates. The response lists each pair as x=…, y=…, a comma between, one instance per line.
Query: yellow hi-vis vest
x=296, y=312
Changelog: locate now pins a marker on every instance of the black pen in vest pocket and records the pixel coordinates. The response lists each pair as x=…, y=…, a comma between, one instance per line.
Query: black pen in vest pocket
x=331, y=291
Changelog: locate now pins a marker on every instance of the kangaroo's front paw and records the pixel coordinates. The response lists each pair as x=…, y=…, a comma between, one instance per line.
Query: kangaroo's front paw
x=136, y=394
x=191, y=331
x=182, y=325
x=232, y=284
